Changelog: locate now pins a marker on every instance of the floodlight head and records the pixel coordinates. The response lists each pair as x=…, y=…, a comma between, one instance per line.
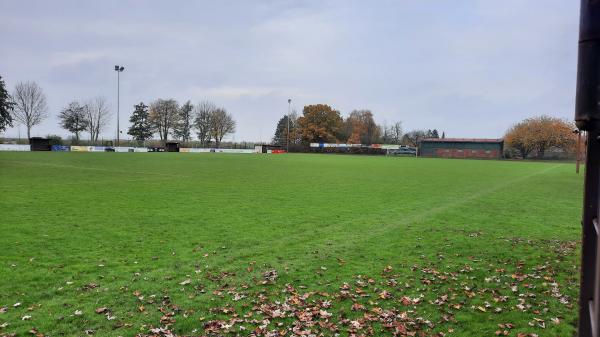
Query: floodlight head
x=116, y=68
x=122, y=68
x=289, y=100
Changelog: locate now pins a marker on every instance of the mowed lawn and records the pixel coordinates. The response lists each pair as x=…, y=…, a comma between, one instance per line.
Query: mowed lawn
x=119, y=244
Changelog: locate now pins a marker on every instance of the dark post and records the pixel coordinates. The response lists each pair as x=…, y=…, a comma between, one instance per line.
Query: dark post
x=587, y=118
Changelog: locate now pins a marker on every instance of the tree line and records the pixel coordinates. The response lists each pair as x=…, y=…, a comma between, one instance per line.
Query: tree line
x=533, y=137
x=163, y=117
x=320, y=123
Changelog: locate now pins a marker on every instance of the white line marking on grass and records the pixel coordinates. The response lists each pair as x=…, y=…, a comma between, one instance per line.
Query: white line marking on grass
x=79, y=184
x=458, y=202
x=373, y=231
x=96, y=169
x=321, y=236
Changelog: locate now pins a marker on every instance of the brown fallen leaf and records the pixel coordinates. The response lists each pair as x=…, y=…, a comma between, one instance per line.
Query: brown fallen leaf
x=271, y=275
x=357, y=307
x=384, y=295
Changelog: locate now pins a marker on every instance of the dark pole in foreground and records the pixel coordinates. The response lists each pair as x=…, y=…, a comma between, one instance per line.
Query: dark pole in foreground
x=587, y=118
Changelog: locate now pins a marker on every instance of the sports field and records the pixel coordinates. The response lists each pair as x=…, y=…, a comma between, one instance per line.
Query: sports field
x=111, y=244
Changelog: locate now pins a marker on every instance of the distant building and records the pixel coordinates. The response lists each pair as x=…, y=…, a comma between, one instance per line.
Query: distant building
x=461, y=148
x=39, y=144
x=267, y=148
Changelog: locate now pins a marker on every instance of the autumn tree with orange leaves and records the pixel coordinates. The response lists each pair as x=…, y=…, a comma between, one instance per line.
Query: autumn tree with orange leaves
x=538, y=134
x=360, y=128
x=320, y=123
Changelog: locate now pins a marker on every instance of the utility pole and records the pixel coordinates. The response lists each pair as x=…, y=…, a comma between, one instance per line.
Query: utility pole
x=288, y=125
x=118, y=69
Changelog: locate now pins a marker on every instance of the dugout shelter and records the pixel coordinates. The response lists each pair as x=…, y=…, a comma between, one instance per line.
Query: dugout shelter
x=39, y=144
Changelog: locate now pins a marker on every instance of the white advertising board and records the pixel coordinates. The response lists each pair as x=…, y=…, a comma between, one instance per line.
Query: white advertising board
x=15, y=147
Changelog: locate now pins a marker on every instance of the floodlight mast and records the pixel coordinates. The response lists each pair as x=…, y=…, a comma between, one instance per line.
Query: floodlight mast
x=587, y=118
x=119, y=69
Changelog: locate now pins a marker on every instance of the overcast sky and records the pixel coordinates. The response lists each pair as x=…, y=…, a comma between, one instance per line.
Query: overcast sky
x=469, y=68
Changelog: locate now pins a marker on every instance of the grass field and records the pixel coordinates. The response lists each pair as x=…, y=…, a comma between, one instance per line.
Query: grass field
x=119, y=244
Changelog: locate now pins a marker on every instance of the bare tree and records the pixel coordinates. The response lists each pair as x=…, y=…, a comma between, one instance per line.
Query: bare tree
x=222, y=124
x=395, y=133
x=163, y=116
x=97, y=115
x=183, y=127
x=204, y=111
x=413, y=138
x=30, y=105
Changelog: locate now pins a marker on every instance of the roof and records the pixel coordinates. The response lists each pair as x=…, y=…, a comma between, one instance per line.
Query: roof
x=463, y=140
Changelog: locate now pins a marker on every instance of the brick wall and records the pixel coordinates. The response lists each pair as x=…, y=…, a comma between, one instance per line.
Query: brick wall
x=467, y=153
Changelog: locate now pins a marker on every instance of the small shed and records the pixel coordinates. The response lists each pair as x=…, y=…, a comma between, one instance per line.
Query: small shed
x=461, y=148
x=39, y=144
x=172, y=147
x=265, y=148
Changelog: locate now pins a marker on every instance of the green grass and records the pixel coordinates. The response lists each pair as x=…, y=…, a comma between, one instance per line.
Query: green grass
x=478, y=243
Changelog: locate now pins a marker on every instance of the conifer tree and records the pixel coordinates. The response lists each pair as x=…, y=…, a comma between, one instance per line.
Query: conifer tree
x=140, y=128
x=6, y=107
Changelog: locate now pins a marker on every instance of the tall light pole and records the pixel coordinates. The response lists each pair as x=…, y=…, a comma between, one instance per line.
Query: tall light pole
x=118, y=69
x=288, y=126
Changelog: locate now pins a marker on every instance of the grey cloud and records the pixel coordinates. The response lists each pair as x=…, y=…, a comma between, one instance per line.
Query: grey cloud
x=471, y=68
